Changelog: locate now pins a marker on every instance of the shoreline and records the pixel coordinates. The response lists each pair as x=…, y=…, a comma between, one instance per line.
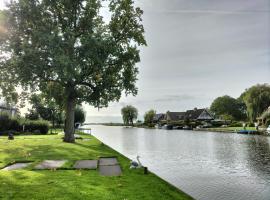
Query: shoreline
x=89, y=183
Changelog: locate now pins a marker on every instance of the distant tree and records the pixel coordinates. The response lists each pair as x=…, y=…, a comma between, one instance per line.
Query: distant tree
x=70, y=44
x=257, y=100
x=149, y=117
x=32, y=115
x=79, y=115
x=129, y=114
x=47, y=108
x=228, y=108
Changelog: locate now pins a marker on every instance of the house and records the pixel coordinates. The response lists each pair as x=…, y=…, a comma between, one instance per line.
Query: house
x=198, y=114
x=192, y=115
x=9, y=110
x=174, y=116
x=158, y=117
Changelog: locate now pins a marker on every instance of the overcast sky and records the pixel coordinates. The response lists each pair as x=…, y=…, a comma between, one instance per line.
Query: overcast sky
x=197, y=51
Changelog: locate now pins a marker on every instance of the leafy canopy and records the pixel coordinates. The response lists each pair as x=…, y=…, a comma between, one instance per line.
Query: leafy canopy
x=257, y=100
x=229, y=108
x=68, y=42
x=129, y=114
x=149, y=116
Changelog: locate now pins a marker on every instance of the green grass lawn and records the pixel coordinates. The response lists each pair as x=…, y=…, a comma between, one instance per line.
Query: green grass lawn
x=73, y=184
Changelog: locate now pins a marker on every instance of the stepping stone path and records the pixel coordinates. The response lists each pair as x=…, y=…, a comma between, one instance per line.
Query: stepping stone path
x=50, y=164
x=16, y=166
x=86, y=164
x=109, y=167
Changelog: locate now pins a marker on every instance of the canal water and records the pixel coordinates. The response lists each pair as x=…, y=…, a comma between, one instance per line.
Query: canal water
x=206, y=165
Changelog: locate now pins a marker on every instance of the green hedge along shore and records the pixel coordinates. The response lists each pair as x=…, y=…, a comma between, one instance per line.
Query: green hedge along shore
x=74, y=184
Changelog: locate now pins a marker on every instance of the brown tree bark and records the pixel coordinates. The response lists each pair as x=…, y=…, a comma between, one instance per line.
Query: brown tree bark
x=69, y=125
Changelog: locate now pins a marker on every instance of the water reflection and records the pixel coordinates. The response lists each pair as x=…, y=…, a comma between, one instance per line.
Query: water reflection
x=205, y=165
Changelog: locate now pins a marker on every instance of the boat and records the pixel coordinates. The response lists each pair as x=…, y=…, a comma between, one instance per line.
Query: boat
x=246, y=132
x=167, y=127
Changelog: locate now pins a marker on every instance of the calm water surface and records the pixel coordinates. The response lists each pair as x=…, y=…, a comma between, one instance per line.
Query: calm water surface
x=208, y=166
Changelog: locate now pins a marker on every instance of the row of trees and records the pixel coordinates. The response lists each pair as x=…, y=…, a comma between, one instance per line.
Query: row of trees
x=47, y=109
x=249, y=106
x=130, y=114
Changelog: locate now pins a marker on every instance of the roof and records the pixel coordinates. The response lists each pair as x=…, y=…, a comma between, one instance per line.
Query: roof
x=7, y=108
x=193, y=114
x=196, y=113
x=176, y=115
x=159, y=116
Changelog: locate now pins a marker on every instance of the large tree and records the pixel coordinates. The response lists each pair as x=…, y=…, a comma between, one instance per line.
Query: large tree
x=149, y=117
x=257, y=100
x=229, y=107
x=129, y=114
x=67, y=42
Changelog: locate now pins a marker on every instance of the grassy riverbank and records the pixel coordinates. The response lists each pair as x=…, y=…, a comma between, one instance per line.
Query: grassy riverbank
x=74, y=184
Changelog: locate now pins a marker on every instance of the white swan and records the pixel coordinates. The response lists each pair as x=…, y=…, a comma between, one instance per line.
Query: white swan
x=135, y=164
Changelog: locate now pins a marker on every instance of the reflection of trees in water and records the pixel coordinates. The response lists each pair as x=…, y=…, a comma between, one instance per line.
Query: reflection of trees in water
x=258, y=155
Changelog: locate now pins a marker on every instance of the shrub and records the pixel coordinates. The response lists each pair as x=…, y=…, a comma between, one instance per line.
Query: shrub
x=7, y=123
x=251, y=125
x=236, y=124
x=37, y=127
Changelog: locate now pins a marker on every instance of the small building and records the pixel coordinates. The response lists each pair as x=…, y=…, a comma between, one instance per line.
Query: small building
x=9, y=110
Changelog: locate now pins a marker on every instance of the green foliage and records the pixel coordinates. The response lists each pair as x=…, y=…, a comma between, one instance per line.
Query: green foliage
x=236, y=124
x=47, y=108
x=7, y=123
x=129, y=114
x=257, y=100
x=32, y=115
x=38, y=127
x=79, y=115
x=149, y=117
x=68, y=43
x=229, y=108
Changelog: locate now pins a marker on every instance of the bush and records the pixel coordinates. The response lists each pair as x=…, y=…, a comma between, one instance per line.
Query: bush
x=251, y=125
x=7, y=123
x=37, y=127
x=236, y=124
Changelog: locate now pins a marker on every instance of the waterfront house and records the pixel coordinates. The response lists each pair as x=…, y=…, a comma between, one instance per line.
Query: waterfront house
x=158, y=117
x=198, y=115
x=174, y=116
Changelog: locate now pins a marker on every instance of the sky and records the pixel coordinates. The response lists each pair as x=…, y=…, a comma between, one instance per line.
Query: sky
x=197, y=51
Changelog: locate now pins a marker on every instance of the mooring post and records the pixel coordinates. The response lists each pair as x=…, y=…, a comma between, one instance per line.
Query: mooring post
x=145, y=170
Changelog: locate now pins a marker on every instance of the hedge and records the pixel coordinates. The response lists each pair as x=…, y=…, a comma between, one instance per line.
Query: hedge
x=15, y=125
x=36, y=127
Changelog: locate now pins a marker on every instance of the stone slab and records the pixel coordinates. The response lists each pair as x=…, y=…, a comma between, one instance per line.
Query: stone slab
x=108, y=161
x=86, y=164
x=50, y=164
x=110, y=170
x=16, y=166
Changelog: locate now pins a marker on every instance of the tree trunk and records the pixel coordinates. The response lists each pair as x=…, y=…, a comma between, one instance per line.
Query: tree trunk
x=69, y=125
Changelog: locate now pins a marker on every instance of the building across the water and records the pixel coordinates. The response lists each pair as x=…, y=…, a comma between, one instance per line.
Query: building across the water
x=191, y=115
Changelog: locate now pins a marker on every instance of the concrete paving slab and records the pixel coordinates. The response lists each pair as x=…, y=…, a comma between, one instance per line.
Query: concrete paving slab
x=110, y=170
x=86, y=164
x=50, y=164
x=108, y=161
x=16, y=166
